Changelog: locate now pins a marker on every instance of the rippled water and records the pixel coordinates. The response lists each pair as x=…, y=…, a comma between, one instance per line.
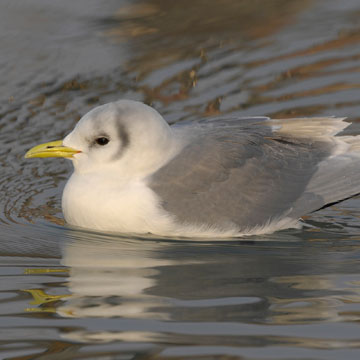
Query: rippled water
x=67, y=294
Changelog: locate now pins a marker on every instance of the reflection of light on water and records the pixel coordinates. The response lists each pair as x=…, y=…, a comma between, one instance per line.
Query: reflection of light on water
x=186, y=34
x=337, y=293
x=107, y=336
x=160, y=292
x=110, y=279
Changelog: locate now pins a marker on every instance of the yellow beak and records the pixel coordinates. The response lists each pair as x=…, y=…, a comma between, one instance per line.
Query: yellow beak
x=51, y=149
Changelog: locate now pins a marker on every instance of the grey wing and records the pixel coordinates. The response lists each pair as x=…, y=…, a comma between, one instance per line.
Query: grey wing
x=336, y=178
x=244, y=175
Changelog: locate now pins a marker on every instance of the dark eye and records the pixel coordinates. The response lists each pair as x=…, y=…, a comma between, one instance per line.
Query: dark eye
x=102, y=141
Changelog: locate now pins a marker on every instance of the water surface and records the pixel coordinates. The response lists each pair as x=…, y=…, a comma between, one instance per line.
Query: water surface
x=70, y=294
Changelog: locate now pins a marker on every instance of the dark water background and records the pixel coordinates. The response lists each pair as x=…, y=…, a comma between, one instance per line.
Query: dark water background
x=67, y=294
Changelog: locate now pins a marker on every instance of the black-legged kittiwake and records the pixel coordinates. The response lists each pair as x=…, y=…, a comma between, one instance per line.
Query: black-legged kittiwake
x=133, y=173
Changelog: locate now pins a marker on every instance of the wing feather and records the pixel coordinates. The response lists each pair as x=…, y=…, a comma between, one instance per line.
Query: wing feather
x=249, y=173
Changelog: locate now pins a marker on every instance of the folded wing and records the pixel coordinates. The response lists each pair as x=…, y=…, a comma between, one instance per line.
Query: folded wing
x=252, y=172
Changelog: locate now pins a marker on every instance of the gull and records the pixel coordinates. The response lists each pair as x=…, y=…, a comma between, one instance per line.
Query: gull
x=225, y=177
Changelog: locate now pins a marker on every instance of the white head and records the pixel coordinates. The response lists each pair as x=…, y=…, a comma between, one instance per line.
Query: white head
x=126, y=137
x=114, y=148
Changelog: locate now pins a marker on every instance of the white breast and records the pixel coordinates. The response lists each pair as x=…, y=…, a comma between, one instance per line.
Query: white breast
x=93, y=203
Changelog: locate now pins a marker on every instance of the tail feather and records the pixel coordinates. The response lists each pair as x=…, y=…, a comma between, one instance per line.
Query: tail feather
x=338, y=176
